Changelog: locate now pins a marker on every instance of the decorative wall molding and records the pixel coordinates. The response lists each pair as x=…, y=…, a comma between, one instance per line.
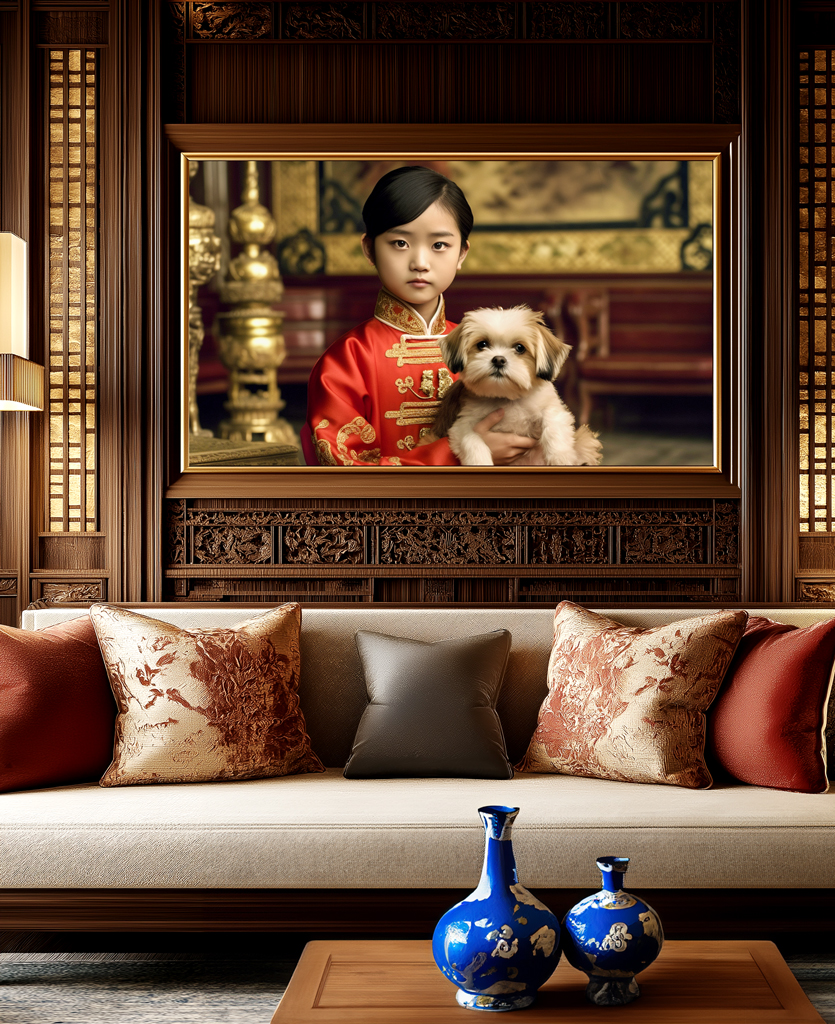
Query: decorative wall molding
x=71, y=28
x=817, y=592
x=173, y=55
x=45, y=593
x=651, y=19
x=342, y=21
x=176, y=20
x=570, y=20
x=453, y=20
x=231, y=20
x=450, y=20
x=726, y=43
x=509, y=553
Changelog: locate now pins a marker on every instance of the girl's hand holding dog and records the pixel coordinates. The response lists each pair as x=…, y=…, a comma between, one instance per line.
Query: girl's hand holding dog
x=505, y=448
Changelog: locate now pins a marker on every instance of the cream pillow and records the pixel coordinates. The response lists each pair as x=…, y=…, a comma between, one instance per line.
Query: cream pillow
x=204, y=705
x=627, y=703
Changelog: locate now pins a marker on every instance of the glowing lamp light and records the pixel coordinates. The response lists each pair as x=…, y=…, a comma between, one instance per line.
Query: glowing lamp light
x=21, y=381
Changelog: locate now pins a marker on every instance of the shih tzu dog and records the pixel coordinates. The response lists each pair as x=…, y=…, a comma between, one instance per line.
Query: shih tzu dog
x=508, y=359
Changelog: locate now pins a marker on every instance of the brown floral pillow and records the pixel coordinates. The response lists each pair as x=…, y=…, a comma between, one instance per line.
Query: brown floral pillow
x=204, y=705
x=627, y=703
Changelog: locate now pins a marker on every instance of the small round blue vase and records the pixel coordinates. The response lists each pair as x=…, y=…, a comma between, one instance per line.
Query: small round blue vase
x=611, y=936
x=500, y=943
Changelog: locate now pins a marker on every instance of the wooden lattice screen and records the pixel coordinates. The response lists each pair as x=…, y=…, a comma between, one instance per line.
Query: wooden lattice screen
x=816, y=243
x=73, y=312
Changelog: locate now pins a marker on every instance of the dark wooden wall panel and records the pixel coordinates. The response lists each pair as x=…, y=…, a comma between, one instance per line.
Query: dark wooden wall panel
x=636, y=62
x=16, y=484
x=652, y=61
x=450, y=83
x=769, y=428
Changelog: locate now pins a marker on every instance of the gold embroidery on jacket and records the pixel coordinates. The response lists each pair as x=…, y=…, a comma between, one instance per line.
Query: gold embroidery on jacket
x=367, y=434
x=323, y=446
x=438, y=325
x=422, y=350
x=445, y=381
x=411, y=413
x=424, y=410
x=427, y=391
x=425, y=436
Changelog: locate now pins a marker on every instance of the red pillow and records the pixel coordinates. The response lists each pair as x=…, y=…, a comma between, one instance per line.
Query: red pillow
x=57, y=711
x=767, y=725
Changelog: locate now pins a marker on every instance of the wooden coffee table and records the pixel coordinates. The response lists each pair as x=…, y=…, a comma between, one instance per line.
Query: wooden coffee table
x=397, y=982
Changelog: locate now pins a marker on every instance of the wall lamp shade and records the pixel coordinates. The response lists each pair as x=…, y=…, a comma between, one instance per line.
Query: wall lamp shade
x=14, y=296
x=21, y=381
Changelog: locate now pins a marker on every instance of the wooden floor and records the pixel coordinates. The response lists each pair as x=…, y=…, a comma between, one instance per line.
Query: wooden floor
x=812, y=960
x=154, y=945
x=246, y=945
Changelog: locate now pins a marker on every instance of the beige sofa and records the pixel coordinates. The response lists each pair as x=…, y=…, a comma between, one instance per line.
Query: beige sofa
x=320, y=852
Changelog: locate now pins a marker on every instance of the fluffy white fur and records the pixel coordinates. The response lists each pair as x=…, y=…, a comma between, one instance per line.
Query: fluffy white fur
x=507, y=358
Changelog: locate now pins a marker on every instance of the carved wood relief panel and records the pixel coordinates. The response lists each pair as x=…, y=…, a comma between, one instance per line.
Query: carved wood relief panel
x=453, y=552
x=348, y=20
x=72, y=591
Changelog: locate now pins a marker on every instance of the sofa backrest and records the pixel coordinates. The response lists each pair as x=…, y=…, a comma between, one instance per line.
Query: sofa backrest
x=332, y=689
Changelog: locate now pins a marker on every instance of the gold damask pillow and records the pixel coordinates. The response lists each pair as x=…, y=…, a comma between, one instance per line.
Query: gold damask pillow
x=204, y=705
x=629, y=704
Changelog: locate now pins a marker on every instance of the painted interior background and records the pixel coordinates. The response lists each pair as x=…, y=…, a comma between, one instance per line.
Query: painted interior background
x=618, y=254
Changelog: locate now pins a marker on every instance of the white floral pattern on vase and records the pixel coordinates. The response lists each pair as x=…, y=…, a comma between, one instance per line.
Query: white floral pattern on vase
x=611, y=936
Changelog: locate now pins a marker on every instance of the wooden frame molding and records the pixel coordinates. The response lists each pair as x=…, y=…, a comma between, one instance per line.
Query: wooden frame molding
x=633, y=141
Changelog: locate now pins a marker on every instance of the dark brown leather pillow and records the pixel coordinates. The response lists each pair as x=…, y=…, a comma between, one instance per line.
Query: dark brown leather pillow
x=432, y=708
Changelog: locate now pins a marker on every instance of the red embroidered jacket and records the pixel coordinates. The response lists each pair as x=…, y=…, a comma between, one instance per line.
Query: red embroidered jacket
x=373, y=395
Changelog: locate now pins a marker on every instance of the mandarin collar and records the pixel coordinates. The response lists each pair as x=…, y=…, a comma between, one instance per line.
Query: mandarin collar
x=399, y=314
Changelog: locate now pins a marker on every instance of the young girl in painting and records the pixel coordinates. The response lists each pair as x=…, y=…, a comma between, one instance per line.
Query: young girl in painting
x=373, y=395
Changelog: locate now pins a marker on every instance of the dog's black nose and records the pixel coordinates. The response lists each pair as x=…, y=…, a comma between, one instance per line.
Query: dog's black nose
x=499, y=361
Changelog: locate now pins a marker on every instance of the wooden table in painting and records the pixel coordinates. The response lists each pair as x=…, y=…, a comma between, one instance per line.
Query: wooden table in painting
x=397, y=982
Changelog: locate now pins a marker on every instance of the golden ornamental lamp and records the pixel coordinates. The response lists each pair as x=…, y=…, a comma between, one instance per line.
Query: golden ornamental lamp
x=203, y=262
x=251, y=341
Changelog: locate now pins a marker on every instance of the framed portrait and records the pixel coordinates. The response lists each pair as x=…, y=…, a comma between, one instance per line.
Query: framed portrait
x=621, y=240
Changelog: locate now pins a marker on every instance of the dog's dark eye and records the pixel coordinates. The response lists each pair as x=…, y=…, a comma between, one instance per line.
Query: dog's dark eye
x=482, y=345
x=519, y=348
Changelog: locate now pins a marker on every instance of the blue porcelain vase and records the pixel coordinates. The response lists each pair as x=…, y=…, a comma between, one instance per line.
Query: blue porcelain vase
x=500, y=943
x=611, y=936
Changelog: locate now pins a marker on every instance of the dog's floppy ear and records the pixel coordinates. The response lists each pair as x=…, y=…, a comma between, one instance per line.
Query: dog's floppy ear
x=551, y=353
x=452, y=347
x=448, y=411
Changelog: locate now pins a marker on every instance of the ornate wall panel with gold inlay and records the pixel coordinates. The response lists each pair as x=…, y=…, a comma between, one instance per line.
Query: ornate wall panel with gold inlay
x=816, y=344
x=72, y=283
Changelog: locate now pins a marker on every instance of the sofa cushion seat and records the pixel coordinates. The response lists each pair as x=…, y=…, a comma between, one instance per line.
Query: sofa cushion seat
x=325, y=831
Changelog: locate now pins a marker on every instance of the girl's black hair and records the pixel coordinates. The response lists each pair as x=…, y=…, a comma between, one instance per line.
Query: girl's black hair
x=405, y=193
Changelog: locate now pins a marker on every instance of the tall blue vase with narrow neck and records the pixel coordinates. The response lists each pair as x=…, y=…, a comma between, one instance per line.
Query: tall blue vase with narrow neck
x=500, y=943
x=612, y=936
